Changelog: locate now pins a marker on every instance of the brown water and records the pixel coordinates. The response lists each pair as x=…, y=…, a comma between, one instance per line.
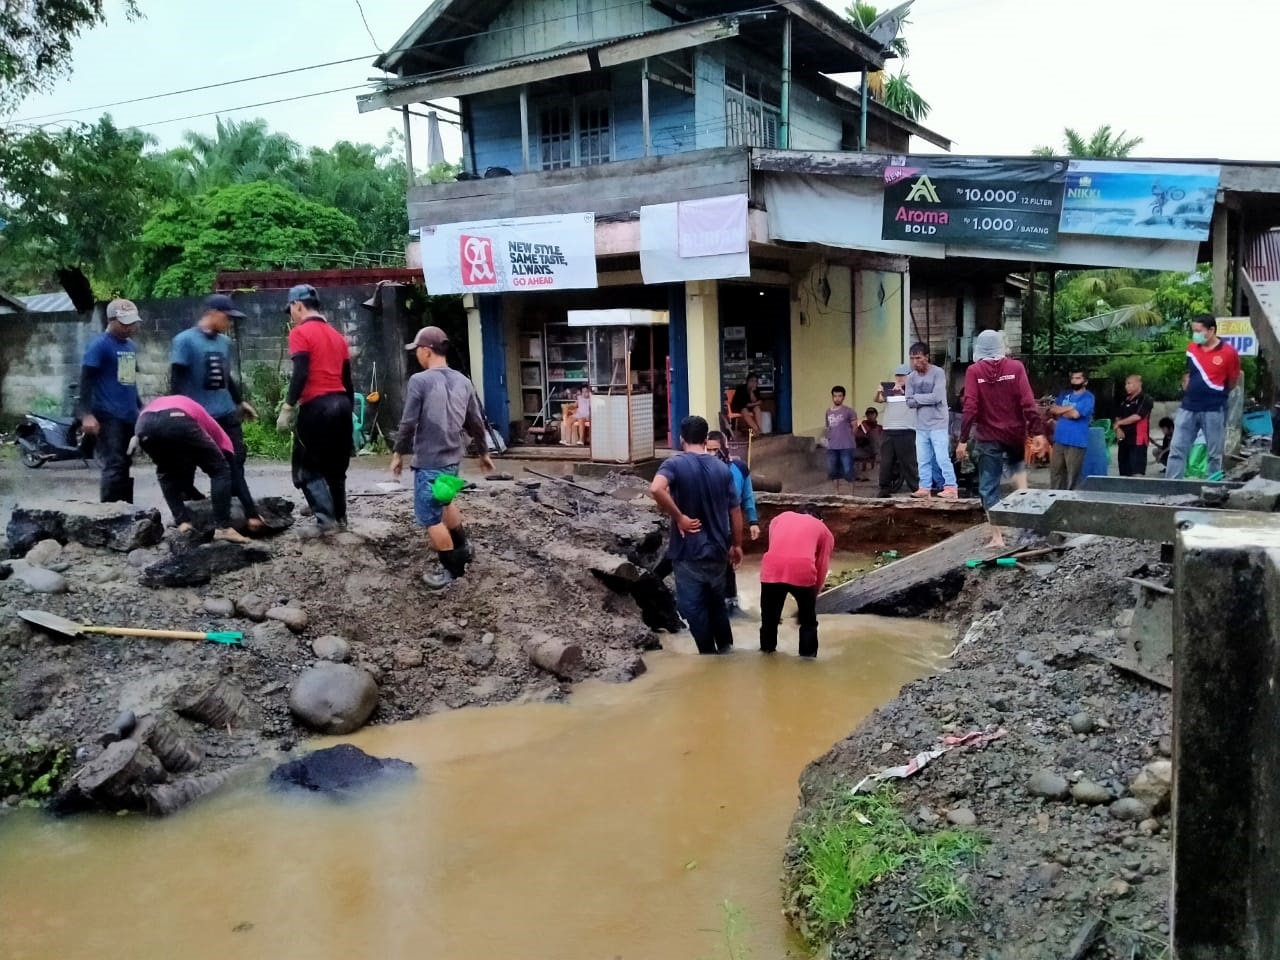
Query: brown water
x=612, y=827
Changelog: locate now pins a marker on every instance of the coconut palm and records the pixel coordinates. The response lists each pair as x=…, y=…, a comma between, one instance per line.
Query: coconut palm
x=1103, y=144
x=242, y=152
x=894, y=91
x=1112, y=298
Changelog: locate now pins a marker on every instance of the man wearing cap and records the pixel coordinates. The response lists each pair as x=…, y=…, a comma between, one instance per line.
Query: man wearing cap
x=322, y=394
x=898, y=450
x=200, y=368
x=109, y=405
x=1000, y=413
x=441, y=410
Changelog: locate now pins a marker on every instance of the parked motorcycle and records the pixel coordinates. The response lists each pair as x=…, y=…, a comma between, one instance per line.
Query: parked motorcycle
x=42, y=439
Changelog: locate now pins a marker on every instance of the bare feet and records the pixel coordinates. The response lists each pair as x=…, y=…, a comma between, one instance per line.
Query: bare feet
x=256, y=525
x=997, y=539
x=230, y=535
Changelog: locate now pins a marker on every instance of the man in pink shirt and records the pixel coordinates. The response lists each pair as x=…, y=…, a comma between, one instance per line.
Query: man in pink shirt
x=796, y=562
x=179, y=435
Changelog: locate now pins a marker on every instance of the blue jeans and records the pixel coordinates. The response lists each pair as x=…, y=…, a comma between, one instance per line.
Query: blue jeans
x=933, y=452
x=840, y=465
x=427, y=510
x=1187, y=425
x=700, y=592
x=992, y=459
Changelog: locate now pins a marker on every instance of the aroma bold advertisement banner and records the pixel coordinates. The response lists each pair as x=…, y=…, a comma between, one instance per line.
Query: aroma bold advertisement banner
x=1155, y=201
x=502, y=256
x=974, y=201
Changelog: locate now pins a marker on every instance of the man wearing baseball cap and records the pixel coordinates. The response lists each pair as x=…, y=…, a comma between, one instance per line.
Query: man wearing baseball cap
x=322, y=392
x=109, y=405
x=441, y=410
x=200, y=368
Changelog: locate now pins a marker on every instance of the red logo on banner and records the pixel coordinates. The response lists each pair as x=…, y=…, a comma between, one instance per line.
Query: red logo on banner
x=477, y=261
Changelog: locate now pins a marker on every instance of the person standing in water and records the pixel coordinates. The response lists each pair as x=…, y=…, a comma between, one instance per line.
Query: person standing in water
x=746, y=494
x=796, y=563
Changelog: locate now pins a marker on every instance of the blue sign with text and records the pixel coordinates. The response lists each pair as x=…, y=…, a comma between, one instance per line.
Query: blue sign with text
x=1154, y=201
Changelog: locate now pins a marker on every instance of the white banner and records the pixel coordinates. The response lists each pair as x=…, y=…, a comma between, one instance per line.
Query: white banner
x=695, y=240
x=500, y=256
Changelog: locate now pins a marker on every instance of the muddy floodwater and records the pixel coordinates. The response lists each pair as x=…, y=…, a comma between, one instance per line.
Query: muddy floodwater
x=614, y=826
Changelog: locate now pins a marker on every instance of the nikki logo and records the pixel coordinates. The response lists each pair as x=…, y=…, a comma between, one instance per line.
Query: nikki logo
x=477, y=261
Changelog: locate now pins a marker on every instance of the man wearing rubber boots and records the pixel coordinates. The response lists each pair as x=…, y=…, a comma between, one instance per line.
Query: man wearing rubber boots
x=200, y=368
x=441, y=410
x=322, y=394
x=179, y=436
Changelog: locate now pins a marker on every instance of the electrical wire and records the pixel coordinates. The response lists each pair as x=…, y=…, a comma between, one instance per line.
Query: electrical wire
x=368, y=29
x=248, y=106
x=766, y=6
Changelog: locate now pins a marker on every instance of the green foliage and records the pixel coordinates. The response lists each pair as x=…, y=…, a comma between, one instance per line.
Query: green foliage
x=247, y=226
x=895, y=91
x=1102, y=144
x=860, y=840
x=75, y=197
x=261, y=439
x=266, y=387
x=34, y=770
x=35, y=41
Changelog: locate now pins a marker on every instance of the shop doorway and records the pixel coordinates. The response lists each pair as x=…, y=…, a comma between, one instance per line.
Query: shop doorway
x=755, y=339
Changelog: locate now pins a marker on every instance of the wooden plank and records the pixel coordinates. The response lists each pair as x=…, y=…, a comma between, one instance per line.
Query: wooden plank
x=913, y=571
x=820, y=161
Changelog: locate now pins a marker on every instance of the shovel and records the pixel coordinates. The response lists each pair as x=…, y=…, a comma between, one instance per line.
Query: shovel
x=69, y=628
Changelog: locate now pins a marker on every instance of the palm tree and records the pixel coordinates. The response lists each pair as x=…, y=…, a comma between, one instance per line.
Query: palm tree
x=894, y=91
x=237, y=153
x=1104, y=144
x=1112, y=298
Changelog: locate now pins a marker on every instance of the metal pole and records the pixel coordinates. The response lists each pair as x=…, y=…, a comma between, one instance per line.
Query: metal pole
x=644, y=103
x=784, y=138
x=524, y=126
x=408, y=144
x=1053, y=326
x=862, y=115
x=1237, y=295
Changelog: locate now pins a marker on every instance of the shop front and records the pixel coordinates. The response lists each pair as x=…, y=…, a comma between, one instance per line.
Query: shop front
x=755, y=342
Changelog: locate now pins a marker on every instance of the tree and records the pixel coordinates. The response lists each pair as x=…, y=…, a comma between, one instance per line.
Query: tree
x=245, y=226
x=243, y=152
x=35, y=41
x=363, y=181
x=893, y=90
x=1104, y=144
x=75, y=198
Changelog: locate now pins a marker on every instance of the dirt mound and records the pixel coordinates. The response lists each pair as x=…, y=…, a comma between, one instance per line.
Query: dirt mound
x=1075, y=729
x=552, y=564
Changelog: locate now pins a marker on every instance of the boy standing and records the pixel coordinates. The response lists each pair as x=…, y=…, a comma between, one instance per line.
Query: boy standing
x=841, y=421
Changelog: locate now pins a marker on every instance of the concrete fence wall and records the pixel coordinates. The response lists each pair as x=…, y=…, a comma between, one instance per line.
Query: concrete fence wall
x=40, y=353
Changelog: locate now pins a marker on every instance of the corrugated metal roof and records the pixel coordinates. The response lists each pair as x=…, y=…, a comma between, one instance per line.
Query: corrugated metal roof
x=49, y=303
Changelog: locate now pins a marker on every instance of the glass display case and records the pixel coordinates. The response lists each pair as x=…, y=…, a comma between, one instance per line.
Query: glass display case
x=622, y=397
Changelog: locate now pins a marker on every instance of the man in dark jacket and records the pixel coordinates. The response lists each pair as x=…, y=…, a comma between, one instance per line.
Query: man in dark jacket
x=109, y=403
x=1000, y=413
x=322, y=392
x=440, y=411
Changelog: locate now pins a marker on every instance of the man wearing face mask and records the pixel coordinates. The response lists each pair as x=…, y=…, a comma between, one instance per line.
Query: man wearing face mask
x=1213, y=370
x=1074, y=412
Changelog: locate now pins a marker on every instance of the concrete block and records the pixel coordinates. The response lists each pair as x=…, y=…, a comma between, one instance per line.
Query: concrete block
x=1258, y=494
x=1226, y=701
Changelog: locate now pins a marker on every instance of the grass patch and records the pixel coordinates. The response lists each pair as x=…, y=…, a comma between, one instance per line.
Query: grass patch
x=33, y=771
x=858, y=841
x=261, y=439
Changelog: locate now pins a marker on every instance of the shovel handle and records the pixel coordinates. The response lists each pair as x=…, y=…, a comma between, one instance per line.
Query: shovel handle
x=140, y=632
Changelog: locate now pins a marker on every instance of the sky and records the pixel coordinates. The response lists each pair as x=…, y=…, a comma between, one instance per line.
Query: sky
x=1002, y=76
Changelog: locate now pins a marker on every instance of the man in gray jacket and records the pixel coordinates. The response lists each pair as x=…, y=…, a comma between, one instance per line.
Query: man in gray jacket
x=927, y=396
x=440, y=411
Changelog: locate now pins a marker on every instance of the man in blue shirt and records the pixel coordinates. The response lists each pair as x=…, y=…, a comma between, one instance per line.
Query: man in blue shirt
x=1074, y=412
x=717, y=445
x=696, y=491
x=109, y=403
x=200, y=368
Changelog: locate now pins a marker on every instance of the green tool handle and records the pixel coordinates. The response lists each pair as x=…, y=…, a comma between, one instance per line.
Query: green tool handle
x=140, y=632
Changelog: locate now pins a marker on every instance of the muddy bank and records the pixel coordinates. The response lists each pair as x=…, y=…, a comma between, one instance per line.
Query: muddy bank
x=1068, y=840
x=555, y=595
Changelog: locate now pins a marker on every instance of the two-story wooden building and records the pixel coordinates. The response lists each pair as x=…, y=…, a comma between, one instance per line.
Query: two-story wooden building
x=614, y=107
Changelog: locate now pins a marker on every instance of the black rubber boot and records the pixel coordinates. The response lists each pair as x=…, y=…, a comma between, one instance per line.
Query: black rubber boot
x=460, y=543
x=454, y=566
x=455, y=561
x=321, y=502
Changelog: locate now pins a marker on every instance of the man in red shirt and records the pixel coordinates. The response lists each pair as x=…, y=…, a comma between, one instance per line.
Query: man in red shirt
x=796, y=563
x=322, y=391
x=1213, y=370
x=179, y=435
x=1000, y=412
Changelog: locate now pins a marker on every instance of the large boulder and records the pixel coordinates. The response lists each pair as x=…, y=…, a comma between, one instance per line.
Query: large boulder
x=115, y=526
x=339, y=771
x=198, y=565
x=334, y=698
